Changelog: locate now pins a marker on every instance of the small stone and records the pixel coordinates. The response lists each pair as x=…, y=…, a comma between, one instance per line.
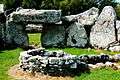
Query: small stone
x=100, y=65
x=109, y=64
x=91, y=66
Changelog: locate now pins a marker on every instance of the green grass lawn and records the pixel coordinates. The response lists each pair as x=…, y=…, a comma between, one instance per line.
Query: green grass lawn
x=34, y=38
x=9, y=58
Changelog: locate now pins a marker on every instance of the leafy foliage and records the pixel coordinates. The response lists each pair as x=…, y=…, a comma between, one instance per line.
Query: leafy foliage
x=67, y=6
x=118, y=11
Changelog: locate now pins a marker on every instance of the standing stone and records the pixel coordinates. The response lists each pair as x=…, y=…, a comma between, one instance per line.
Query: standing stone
x=2, y=26
x=103, y=32
x=53, y=35
x=32, y=28
x=16, y=35
x=118, y=29
x=77, y=36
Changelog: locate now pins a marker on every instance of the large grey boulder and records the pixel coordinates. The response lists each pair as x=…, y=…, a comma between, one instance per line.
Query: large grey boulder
x=32, y=15
x=103, y=32
x=16, y=35
x=77, y=36
x=86, y=18
x=53, y=35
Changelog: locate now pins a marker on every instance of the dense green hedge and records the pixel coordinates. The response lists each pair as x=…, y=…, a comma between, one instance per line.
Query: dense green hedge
x=67, y=6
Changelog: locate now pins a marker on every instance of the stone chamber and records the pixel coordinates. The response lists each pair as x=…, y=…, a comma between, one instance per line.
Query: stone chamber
x=91, y=28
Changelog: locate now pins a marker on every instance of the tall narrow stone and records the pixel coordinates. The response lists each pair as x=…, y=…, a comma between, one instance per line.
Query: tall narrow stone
x=103, y=32
x=53, y=35
x=36, y=16
x=16, y=35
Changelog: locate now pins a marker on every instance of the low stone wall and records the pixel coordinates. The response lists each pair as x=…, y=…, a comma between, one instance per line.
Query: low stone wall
x=51, y=62
x=59, y=62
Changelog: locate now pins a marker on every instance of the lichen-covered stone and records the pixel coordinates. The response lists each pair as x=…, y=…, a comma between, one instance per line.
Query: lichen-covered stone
x=32, y=15
x=31, y=28
x=53, y=35
x=86, y=18
x=103, y=32
x=1, y=8
x=16, y=35
x=118, y=29
x=2, y=35
x=77, y=36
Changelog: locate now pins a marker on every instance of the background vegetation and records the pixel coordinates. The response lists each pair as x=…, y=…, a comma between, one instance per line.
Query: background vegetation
x=67, y=6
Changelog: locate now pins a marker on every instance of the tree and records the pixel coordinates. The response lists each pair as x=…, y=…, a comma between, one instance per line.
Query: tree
x=67, y=6
x=11, y=3
x=117, y=9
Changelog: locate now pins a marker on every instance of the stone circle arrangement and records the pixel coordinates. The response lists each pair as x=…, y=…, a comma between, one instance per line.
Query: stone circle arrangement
x=61, y=63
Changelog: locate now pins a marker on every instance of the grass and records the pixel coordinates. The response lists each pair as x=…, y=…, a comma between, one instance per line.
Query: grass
x=9, y=58
x=78, y=51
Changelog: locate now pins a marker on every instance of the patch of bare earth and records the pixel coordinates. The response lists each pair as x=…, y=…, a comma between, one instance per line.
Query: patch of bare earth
x=19, y=74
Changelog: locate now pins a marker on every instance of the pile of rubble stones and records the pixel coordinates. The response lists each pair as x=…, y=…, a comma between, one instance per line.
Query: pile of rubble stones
x=59, y=62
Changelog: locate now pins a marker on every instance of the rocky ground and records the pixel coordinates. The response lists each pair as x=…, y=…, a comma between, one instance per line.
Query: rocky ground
x=19, y=74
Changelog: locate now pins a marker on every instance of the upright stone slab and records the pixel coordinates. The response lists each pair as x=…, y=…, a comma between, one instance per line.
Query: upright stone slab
x=118, y=29
x=2, y=26
x=53, y=35
x=16, y=35
x=32, y=15
x=86, y=18
x=103, y=32
x=77, y=36
x=32, y=28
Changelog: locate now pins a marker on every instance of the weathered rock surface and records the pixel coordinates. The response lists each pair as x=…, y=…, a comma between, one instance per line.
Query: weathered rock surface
x=53, y=36
x=34, y=28
x=103, y=32
x=118, y=29
x=1, y=8
x=114, y=47
x=41, y=16
x=16, y=35
x=77, y=36
x=86, y=18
